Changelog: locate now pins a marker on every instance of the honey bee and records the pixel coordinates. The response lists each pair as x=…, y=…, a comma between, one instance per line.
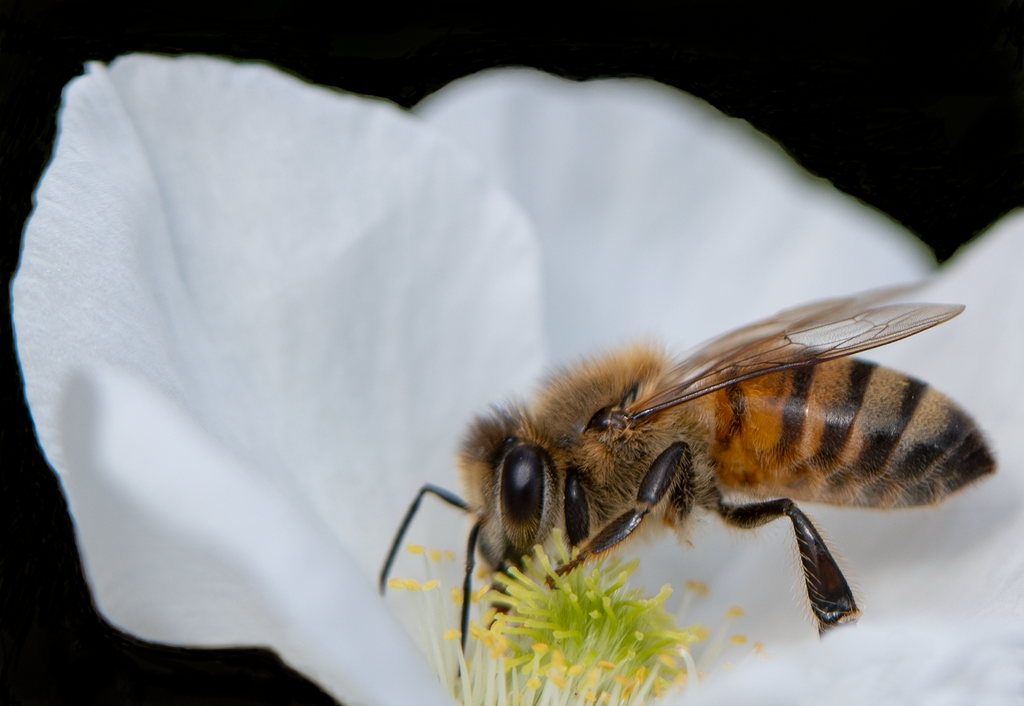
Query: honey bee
x=742, y=427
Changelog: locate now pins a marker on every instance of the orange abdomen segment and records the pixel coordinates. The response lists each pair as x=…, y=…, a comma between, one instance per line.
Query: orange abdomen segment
x=844, y=432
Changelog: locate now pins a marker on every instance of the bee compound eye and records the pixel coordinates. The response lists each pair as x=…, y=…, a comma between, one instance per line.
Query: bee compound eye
x=522, y=485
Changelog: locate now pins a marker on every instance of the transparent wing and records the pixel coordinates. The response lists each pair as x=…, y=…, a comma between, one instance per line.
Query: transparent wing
x=809, y=334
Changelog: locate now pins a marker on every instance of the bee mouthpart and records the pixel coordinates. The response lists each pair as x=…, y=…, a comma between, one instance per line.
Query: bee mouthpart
x=565, y=568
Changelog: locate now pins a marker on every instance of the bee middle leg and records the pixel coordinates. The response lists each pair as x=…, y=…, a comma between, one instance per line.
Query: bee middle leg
x=670, y=465
x=829, y=594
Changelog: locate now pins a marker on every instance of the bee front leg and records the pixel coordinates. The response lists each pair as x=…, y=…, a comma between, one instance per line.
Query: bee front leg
x=671, y=464
x=829, y=594
x=446, y=495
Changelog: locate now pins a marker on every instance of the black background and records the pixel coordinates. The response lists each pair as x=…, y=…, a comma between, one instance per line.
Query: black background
x=913, y=107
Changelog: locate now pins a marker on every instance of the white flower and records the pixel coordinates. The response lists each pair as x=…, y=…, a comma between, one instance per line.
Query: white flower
x=254, y=315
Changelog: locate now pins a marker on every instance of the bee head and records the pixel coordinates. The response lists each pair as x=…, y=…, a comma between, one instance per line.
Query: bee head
x=510, y=481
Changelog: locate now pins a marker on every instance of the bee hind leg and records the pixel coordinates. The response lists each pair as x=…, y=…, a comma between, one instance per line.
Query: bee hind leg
x=671, y=464
x=827, y=590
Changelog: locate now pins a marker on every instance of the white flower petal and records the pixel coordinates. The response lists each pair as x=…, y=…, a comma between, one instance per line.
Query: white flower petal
x=920, y=661
x=657, y=215
x=170, y=519
x=304, y=273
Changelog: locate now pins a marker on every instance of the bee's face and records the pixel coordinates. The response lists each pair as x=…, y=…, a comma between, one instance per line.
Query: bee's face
x=514, y=485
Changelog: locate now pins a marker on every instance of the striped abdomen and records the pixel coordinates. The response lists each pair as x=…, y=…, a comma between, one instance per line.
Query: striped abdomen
x=845, y=432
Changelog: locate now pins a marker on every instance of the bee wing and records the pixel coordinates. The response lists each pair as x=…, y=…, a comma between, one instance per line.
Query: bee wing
x=807, y=335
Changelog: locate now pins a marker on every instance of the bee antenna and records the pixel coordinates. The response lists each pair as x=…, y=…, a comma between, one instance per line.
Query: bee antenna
x=446, y=495
x=467, y=584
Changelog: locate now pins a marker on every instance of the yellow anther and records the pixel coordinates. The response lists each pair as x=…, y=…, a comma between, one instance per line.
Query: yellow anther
x=416, y=549
x=738, y=639
x=758, y=647
x=698, y=587
x=481, y=573
x=396, y=584
x=734, y=612
x=522, y=628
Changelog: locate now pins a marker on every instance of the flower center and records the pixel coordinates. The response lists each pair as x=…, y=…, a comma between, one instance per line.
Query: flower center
x=590, y=639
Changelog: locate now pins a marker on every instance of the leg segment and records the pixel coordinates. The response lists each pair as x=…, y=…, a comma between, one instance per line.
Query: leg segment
x=829, y=593
x=467, y=582
x=446, y=495
x=663, y=474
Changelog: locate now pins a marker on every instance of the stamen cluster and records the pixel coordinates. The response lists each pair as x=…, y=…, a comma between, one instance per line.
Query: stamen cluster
x=588, y=640
x=590, y=630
